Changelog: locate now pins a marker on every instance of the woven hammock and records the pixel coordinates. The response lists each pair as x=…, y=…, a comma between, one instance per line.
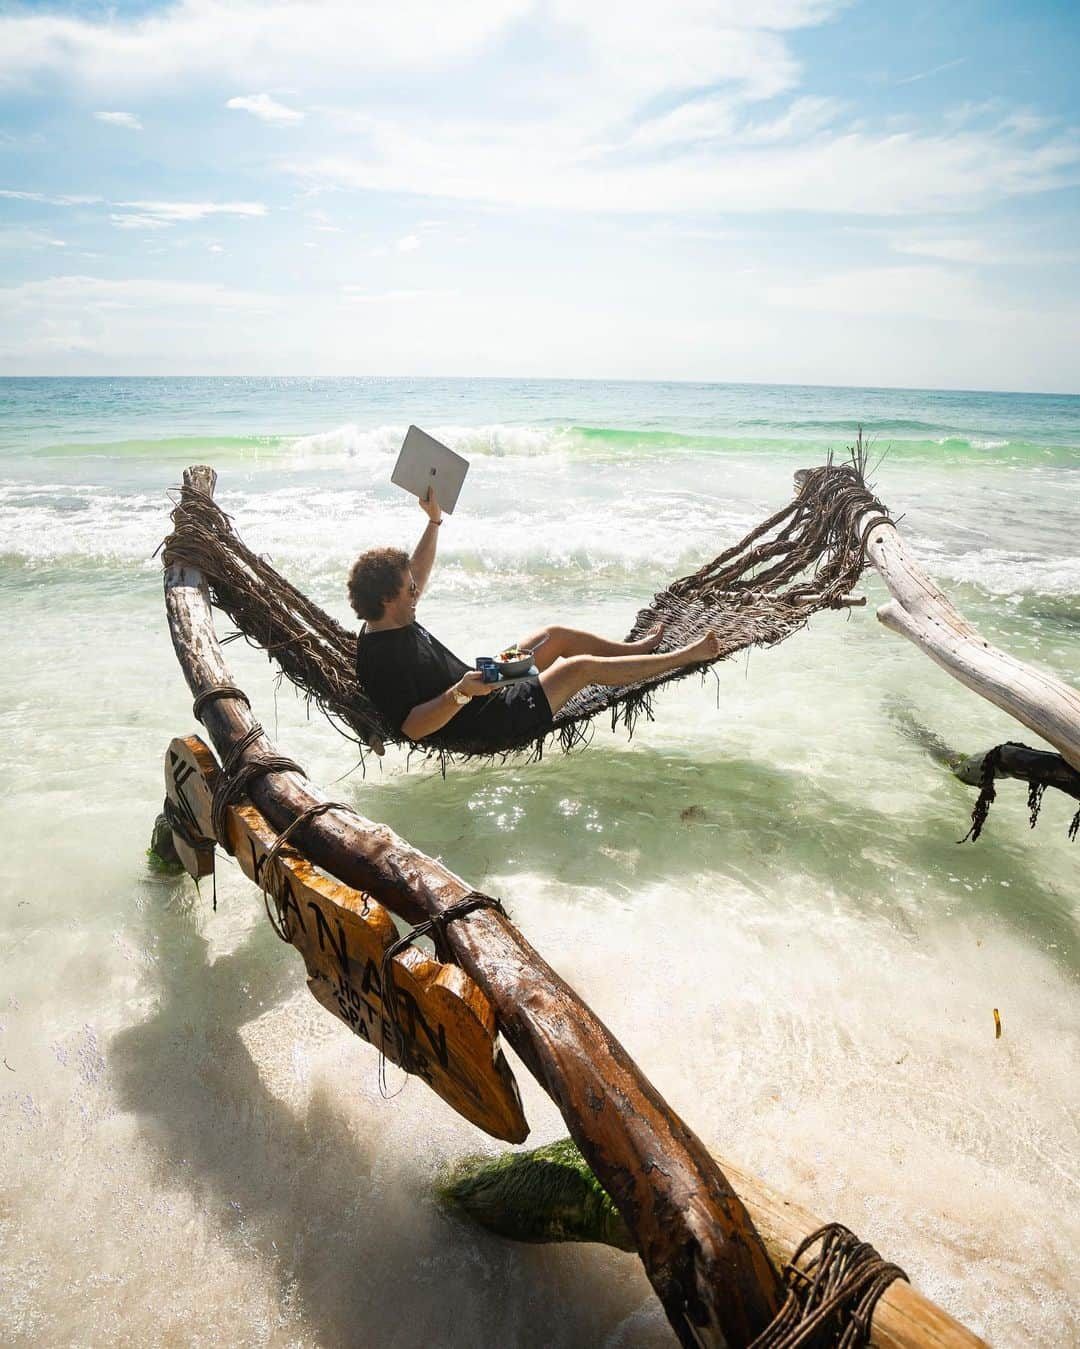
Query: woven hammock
x=807, y=557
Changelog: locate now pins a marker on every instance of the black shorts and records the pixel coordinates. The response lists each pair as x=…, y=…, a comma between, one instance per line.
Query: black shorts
x=508, y=719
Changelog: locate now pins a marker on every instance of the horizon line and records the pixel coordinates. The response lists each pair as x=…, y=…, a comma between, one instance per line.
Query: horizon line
x=584, y=379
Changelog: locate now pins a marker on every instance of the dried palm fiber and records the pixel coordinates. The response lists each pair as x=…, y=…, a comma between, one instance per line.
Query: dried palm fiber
x=807, y=557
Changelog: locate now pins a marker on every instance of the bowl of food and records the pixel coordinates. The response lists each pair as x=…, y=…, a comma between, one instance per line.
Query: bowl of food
x=514, y=661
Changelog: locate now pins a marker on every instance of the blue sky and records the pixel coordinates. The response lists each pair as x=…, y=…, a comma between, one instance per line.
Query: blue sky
x=842, y=193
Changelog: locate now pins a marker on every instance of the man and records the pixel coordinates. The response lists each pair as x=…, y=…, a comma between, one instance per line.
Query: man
x=430, y=696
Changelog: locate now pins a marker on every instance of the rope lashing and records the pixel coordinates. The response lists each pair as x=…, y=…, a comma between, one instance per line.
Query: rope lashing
x=277, y=918
x=214, y=691
x=873, y=523
x=181, y=825
x=434, y=927
x=831, y=1301
x=238, y=772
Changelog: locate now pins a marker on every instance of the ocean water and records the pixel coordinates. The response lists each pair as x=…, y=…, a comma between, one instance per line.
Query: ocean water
x=762, y=893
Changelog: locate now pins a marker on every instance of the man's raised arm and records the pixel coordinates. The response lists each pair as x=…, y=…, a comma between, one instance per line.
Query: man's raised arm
x=423, y=558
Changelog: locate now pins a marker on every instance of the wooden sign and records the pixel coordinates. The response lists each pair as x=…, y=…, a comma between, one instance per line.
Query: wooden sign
x=190, y=770
x=447, y=1027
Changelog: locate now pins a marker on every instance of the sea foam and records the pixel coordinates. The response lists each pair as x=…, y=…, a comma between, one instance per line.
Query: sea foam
x=378, y=443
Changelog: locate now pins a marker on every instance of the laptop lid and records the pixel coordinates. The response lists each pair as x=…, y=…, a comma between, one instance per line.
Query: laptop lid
x=425, y=462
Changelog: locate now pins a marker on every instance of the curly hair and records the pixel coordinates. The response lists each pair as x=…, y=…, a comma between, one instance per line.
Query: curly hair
x=376, y=577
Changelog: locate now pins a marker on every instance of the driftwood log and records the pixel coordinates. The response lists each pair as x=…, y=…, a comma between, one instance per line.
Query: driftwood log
x=700, y=1250
x=922, y=613
x=704, y=1257
x=1027, y=765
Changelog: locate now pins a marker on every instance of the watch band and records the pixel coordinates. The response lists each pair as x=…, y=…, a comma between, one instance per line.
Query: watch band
x=460, y=698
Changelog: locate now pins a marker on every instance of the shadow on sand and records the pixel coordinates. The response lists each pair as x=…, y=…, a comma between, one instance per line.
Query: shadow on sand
x=347, y=1230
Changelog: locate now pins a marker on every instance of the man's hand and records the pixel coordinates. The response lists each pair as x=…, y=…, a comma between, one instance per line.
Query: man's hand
x=430, y=506
x=473, y=684
x=427, y=718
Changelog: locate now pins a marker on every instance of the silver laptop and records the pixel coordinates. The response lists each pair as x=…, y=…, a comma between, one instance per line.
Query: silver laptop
x=425, y=462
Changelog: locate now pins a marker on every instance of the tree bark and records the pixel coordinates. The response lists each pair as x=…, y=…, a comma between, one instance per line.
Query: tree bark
x=700, y=1250
x=921, y=612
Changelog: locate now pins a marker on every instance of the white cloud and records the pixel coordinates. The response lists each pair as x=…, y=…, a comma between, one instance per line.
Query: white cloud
x=648, y=109
x=936, y=70
x=47, y=199
x=859, y=173
x=155, y=215
x=628, y=53
x=124, y=119
x=146, y=214
x=194, y=210
x=266, y=108
x=25, y=238
x=124, y=221
x=103, y=294
x=802, y=119
x=982, y=252
x=409, y=244
x=614, y=60
x=242, y=41
x=91, y=318
x=144, y=293
x=357, y=295
x=917, y=292
x=948, y=250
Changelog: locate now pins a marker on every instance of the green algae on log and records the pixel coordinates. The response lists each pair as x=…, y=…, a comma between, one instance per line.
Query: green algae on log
x=161, y=856
x=548, y=1194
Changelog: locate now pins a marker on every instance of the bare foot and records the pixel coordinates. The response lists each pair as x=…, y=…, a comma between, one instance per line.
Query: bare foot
x=649, y=642
x=708, y=648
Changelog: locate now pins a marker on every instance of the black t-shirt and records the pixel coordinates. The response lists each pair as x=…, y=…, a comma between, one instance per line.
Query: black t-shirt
x=399, y=668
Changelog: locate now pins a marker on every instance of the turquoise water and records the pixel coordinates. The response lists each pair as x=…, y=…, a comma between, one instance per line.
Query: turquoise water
x=762, y=894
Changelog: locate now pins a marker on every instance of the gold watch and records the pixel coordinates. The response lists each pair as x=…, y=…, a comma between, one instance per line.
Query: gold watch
x=460, y=698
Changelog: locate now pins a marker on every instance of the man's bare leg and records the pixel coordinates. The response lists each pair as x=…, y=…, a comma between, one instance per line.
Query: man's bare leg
x=552, y=642
x=575, y=673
